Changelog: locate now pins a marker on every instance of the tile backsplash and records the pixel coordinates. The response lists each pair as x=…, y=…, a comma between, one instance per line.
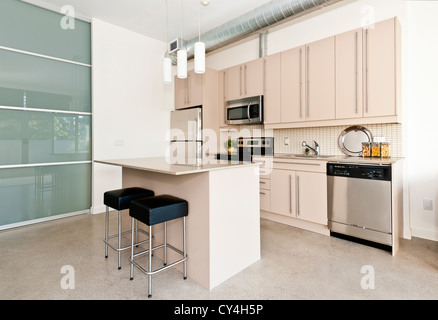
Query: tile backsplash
x=327, y=137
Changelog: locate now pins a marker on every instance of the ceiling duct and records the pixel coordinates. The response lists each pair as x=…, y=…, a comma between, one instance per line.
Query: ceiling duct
x=255, y=21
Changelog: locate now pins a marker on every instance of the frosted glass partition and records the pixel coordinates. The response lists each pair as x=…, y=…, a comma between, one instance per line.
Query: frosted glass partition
x=45, y=114
x=34, y=82
x=40, y=192
x=30, y=28
x=43, y=137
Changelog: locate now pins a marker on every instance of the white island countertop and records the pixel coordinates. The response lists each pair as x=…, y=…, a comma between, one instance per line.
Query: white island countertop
x=163, y=165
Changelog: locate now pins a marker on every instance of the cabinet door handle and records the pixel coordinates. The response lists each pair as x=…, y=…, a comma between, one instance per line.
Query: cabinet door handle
x=357, y=72
x=366, y=69
x=262, y=193
x=188, y=89
x=308, y=81
x=240, y=80
x=290, y=193
x=264, y=77
x=225, y=86
x=246, y=85
x=301, y=82
x=298, y=195
x=185, y=91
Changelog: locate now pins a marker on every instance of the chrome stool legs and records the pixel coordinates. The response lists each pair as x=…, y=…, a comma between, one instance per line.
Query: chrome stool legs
x=119, y=235
x=149, y=272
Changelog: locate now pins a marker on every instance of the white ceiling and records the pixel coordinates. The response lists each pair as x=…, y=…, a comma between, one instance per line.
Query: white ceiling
x=148, y=17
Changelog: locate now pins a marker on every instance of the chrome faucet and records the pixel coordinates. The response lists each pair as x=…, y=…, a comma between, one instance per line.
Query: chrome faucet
x=316, y=149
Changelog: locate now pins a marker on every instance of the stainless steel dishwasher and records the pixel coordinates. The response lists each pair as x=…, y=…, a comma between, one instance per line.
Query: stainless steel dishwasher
x=359, y=201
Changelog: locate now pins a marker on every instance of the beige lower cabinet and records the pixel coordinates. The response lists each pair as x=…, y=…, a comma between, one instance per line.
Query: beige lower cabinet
x=298, y=190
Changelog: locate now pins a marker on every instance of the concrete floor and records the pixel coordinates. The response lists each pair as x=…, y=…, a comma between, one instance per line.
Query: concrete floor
x=295, y=264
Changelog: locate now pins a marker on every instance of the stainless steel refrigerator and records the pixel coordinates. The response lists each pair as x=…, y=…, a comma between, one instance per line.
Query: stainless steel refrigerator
x=186, y=136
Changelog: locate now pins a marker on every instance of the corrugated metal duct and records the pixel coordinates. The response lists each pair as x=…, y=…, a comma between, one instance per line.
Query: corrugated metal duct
x=254, y=21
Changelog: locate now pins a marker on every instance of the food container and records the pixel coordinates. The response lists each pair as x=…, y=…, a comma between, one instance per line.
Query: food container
x=385, y=150
x=375, y=149
x=366, y=149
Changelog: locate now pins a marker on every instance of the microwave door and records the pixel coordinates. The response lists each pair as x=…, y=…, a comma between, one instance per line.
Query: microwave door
x=238, y=115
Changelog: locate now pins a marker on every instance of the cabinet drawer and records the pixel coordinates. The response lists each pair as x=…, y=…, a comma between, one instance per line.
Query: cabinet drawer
x=265, y=200
x=265, y=184
x=265, y=167
x=300, y=165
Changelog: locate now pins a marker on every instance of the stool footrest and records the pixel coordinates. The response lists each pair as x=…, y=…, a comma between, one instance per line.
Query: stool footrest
x=157, y=270
x=158, y=247
x=128, y=232
x=124, y=248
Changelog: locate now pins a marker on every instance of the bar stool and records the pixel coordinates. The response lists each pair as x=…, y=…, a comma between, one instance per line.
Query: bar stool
x=119, y=200
x=152, y=211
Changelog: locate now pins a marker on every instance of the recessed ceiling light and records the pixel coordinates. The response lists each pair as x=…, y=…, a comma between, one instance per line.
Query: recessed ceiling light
x=205, y=2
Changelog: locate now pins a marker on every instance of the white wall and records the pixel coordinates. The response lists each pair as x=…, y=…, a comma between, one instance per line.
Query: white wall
x=130, y=102
x=422, y=116
x=419, y=85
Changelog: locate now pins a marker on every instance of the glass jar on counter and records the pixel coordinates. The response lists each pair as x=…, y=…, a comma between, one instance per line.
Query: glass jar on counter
x=375, y=149
x=385, y=150
x=366, y=149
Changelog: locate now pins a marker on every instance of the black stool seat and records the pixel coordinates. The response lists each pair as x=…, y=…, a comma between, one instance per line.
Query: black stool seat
x=158, y=209
x=119, y=199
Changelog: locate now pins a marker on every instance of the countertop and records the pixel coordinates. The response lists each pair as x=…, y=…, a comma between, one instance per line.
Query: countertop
x=337, y=158
x=162, y=165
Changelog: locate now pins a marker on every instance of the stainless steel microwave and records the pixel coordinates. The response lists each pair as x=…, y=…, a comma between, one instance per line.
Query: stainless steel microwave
x=245, y=111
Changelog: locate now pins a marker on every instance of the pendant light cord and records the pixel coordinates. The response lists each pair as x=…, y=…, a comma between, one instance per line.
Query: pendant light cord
x=167, y=23
x=182, y=41
x=200, y=5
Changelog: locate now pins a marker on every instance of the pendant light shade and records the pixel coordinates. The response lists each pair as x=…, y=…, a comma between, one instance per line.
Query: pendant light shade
x=199, y=47
x=167, y=69
x=182, y=63
x=199, y=57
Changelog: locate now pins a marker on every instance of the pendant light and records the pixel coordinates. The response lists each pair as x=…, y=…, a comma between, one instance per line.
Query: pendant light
x=182, y=53
x=200, y=46
x=167, y=62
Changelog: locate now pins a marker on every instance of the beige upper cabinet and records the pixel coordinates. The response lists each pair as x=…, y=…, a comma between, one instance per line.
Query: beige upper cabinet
x=293, y=88
x=272, y=99
x=320, y=80
x=245, y=80
x=380, y=67
x=189, y=91
x=349, y=74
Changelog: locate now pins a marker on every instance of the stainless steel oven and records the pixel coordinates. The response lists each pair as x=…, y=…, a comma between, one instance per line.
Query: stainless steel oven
x=359, y=201
x=245, y=111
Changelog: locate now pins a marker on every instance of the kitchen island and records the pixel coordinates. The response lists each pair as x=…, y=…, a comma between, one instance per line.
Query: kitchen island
x=223, y=225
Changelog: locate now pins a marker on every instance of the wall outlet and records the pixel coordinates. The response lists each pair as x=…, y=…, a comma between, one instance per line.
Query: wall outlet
x=428, y=204
x=119, y=143
x=379, y=139
x=286, y=141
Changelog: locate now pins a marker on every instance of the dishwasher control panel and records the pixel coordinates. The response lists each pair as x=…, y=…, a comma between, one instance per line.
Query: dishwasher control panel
x=360, y=171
